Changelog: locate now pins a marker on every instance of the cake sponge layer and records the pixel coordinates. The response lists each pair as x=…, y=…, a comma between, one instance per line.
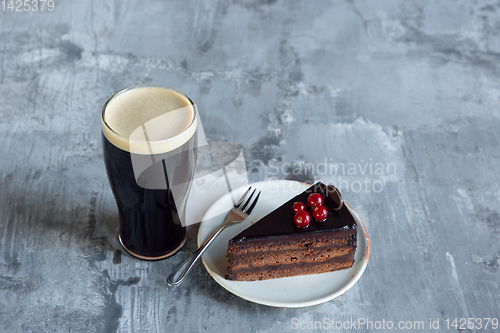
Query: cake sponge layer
x=279, y=271
x=306, y=255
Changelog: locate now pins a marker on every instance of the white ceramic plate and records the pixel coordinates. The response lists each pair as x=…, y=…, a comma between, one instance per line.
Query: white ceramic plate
x=297, y=291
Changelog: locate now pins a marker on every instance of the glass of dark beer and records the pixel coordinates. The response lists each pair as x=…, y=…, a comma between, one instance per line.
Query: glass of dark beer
x=149, y=135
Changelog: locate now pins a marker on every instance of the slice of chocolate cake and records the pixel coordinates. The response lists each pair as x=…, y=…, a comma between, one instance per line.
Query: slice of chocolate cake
x=275, y=246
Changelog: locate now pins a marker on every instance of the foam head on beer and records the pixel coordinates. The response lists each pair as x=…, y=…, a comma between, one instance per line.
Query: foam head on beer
x=149, y=120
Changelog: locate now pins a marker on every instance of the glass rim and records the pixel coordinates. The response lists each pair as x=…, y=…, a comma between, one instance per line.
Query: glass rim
x=104, y=122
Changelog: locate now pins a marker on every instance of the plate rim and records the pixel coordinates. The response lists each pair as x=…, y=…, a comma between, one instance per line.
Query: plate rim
x=352, y=281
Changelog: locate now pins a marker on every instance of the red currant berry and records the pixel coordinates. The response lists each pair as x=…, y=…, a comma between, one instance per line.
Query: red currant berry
x=302, y=219
x=315, y=199
x=298, y=206
x=320, y=213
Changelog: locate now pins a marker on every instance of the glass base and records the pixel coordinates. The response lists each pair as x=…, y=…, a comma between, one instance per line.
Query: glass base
x=164, y=256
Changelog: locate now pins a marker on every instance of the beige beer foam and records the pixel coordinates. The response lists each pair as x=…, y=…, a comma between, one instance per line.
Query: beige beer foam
x=149, y=119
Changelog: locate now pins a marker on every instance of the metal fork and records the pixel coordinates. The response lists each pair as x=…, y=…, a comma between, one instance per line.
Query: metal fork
x=237, y=214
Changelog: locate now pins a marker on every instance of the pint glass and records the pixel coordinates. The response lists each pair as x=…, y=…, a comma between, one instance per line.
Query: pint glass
x=149, y=145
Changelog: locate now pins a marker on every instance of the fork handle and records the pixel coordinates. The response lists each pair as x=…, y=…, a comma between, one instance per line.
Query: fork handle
x=176, y=277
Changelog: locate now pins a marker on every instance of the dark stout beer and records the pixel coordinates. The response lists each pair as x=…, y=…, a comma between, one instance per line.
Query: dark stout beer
x=149, y=145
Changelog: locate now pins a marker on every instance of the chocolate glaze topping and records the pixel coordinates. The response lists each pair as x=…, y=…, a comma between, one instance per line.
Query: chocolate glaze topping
x=280, y=223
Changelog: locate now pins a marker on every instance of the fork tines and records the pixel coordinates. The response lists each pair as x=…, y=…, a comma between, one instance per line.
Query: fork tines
x=242, y=198
x=252, y=205
x=249, y=210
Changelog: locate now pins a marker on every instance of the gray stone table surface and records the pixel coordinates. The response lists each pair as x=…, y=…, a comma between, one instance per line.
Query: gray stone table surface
x=398, y=99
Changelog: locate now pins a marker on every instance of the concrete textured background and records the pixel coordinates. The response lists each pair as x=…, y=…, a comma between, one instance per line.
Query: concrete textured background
x=411, y=85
